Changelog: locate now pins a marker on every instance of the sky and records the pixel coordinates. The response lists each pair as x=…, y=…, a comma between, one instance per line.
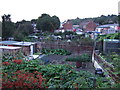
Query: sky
x=64, y=9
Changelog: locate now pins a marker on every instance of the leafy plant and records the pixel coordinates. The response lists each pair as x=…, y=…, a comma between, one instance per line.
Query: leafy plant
x=55, y=51
x=116, y=62
x=20, y=79
x=109, y=36
x=83, y=58
x=30, y=74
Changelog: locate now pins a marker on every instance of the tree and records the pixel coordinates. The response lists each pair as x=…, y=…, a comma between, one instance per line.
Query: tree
x=47, y=23
x=23, y=29
x=0, y=28
x=56, y=22
x=119, y=19
x=34, y=21
x=18, y=35
x=8, y=27
x=110, y=19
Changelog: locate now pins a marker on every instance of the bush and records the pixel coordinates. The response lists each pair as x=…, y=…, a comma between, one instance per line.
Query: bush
x=56, y=51
x=83, y=58
x=69, y=32
x=58, y=34
x=20, y=79
x=30, y=74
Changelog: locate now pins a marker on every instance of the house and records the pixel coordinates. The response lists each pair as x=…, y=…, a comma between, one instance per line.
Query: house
x=28, y=48
x=79, y=31
x=118, y=29
x=88, y=26
x=59, y=30
x=67, y=26
x=76, y=26
x=108, y=28
x=35, y=30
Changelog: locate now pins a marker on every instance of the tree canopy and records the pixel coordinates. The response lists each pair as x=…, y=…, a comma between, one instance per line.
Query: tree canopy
x=101, y=20
x=8, y=26
x=0, y=29
x=23, y=29
x=119, y=19
x=47, y=23
x=17, y=30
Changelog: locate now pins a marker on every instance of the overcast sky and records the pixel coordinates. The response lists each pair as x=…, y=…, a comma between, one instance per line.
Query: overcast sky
x=64, y=9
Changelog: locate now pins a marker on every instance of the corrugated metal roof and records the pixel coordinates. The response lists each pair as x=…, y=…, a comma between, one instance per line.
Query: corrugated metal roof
x=24, y=43
x=9, y=47
x=16, y=43
x=8, y=42
x=107, y=25
x=115, y=40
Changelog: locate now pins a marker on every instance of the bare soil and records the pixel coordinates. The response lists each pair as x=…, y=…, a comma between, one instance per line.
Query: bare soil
x=60, y=59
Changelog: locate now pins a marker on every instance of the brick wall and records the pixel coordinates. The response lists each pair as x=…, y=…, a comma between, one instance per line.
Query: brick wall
x=90, y=26
x=67, y=25
x=72, y=48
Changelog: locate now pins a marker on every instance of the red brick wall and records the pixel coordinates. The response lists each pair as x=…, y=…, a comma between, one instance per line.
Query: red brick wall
x=67, y=25
x=90, y=26
x=71, y=48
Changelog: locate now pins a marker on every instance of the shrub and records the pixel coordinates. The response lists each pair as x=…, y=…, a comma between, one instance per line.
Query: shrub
x=83, y=58
x=6, y=63
x=33, y=75
x=56, y=51
x=17, y=61
x=22, y=79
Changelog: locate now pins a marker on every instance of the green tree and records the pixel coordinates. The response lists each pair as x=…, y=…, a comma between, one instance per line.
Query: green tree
x=0, y=29
x=56, y=22
x=119, y=19
x=110, y=19
x=18, y=35
x=34, y=21
x=23, y=29
x=8, y=27
x=47, y=23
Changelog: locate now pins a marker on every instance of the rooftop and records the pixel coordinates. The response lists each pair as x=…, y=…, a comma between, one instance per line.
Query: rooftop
x=9, y=47
x=16, y=43
x=107, y=25
x=114, y=40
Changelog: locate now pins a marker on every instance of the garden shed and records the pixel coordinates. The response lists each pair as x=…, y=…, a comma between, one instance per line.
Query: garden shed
x=28, y=48
x=111, y=45
x=6, y=49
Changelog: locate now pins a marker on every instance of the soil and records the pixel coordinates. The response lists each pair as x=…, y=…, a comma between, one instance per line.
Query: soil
x=60, y=59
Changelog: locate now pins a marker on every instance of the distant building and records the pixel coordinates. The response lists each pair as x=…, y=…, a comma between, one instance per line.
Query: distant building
x=79, y=31
x=67, y=26
x=76, y=26
x=88, y=26
x=59, y=30
x=34, y=27
x=108, y=28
